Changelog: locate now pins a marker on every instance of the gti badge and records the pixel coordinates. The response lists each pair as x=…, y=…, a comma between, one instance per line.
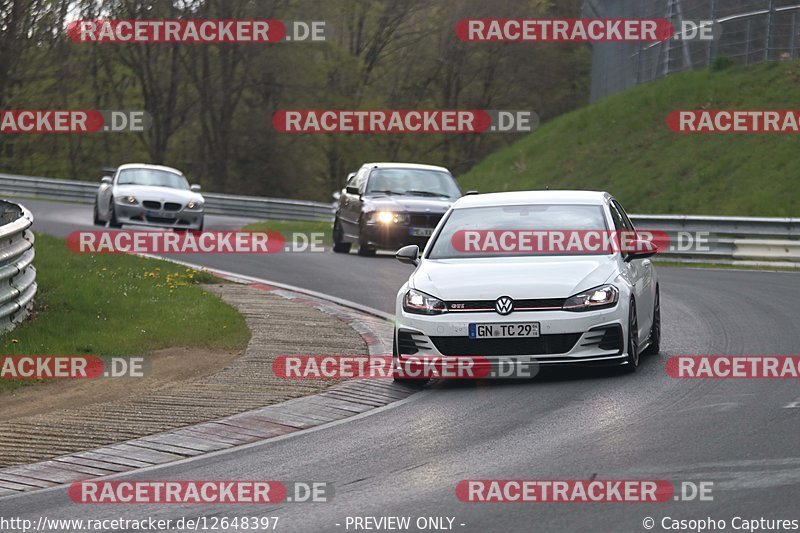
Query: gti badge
x=504, y=305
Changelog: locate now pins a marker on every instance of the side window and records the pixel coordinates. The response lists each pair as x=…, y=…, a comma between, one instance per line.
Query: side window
x=625, y=217
x=361, y=180
x=619, y=221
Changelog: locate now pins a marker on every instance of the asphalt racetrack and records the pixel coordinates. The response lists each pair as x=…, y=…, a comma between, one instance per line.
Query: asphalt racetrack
x=406, y=459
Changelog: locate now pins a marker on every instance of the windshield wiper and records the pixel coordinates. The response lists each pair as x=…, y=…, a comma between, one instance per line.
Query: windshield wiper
x=384, y=192
x=427, y=193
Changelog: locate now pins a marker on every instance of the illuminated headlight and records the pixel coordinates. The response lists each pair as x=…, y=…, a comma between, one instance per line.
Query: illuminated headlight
x=422, y=304
x=194, y=205
x=127, y=200
x=601, y=297
x=388, y=217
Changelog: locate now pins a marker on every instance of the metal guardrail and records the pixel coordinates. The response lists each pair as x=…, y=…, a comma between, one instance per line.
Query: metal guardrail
x=731, y=240
x=216, y=204
x=266, y=208
x=734, y=240
x=17, y=274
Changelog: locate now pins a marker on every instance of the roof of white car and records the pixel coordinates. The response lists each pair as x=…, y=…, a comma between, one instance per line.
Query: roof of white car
x=531, y=197
x=151, y=167
x=417, y=166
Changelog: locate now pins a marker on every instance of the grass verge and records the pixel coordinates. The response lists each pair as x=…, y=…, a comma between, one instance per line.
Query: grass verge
x=118, y=305
x=621, y=144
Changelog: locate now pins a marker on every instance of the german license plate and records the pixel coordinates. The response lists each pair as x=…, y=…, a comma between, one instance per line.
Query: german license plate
x=503, y=331
x=420, y=232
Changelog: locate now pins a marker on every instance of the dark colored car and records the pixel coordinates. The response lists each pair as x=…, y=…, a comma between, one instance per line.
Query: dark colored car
x=390, y=205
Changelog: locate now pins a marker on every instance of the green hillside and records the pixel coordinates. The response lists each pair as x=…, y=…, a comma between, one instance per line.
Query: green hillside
x=622, y=145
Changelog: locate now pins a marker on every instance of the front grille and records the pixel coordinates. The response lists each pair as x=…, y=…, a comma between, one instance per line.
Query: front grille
x=150, y=204
x=172, y=206
x=425, y=221
x=476, y=306
x=544, y=345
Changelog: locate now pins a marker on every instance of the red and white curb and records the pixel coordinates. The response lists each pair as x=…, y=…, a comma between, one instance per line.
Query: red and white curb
x=339, y=402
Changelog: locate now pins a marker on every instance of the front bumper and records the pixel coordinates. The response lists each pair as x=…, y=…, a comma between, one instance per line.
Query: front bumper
x=590, y=338
x=393, y=235
x=141, y=216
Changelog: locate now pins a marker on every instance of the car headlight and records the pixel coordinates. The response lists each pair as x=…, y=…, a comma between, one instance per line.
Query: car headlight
x=127, y=200
x=422, y=304
x=388, y=217
x=194, y=206
x=601, y=297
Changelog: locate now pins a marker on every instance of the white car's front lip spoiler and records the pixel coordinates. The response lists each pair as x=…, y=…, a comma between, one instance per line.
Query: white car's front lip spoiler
x=528, y=359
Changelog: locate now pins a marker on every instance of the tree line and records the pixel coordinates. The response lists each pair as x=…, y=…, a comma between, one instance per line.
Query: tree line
x=211, y=104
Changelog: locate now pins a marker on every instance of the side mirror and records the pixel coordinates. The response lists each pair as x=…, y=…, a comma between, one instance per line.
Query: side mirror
x=336, y=196
x=408, y=254
x=471, y=192
x=640, y=249
x=350, y=176
x=195, y=187
x=352, y=190
x=106, y=179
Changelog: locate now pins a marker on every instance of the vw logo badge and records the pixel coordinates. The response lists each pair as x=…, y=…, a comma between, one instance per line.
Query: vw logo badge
x=504, y=305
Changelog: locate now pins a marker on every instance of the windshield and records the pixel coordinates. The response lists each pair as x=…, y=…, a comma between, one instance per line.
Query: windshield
x=518, y=218
x=153, y=178
x=413, y=182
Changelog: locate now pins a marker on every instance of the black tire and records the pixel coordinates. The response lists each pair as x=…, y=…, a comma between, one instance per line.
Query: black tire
x=415, y=382
x=364, y=249
x=632, y=361
x=339, y=246
x=655, y=330
x=112, y=219
x=96, y=214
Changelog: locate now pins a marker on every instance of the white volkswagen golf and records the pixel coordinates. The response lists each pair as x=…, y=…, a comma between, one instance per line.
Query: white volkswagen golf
x=481, y=289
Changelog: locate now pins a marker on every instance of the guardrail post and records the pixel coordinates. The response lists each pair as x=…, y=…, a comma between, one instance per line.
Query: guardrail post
x=768, y=43
x=712, y=43
x=747, y=45
x=639, y=66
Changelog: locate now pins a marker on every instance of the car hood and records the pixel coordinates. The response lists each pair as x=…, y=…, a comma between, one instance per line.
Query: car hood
x=159, y=194
x=517, y=277
x=408, y=204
